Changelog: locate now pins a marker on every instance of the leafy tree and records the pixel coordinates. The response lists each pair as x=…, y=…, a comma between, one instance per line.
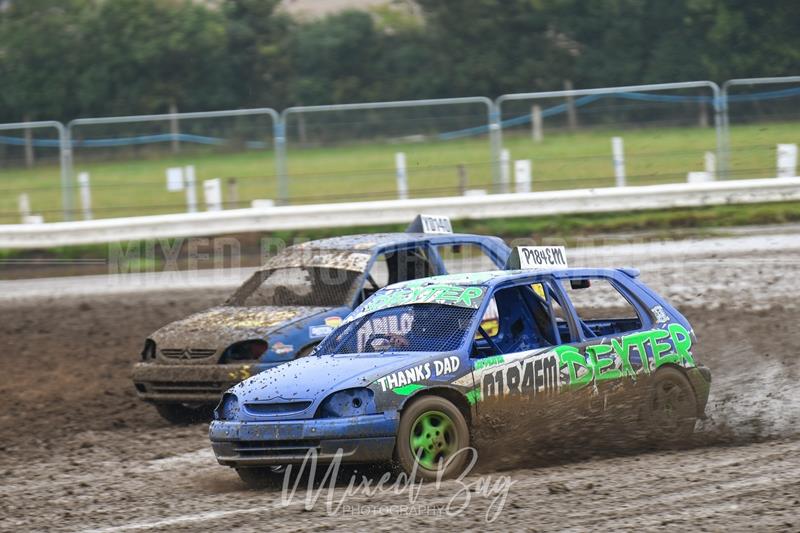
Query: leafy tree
x=143, y=55
x=257, y=52
x=622, y=42
x=64, y=58
x=37, y=64
x=489, y=47
x=336, y=59
x=748, y=39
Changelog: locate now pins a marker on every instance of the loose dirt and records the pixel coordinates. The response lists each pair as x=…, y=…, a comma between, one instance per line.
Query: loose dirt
x=79, y=450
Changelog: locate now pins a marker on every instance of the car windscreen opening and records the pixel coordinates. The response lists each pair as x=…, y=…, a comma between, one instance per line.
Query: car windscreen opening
x=409, y=328
x=298, y=286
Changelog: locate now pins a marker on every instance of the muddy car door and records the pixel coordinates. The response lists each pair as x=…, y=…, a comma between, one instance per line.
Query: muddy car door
x=515, y=363
x=606, y=315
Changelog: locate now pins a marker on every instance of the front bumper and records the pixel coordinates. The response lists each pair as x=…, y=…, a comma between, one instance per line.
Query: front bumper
x=161, y=383
x=361, y=439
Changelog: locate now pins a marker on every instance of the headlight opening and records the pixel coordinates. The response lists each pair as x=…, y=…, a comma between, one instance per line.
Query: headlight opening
x=228, y=408
x=248, y=350
x=149, y=350
x=348, y=402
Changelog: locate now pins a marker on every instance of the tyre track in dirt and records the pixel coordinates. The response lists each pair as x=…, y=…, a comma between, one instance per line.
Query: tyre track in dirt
x=669, y=491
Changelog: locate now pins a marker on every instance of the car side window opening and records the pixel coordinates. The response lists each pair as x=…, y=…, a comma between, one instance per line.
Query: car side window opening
x=396, y=266
x=523, y=323
x=463, y=258
x=407, y=264
x=376, y=278
x=601, y=308
x=559, y=315
x=490, y=321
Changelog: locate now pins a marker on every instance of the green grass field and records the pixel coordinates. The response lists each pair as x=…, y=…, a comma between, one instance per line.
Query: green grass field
x=136, y=185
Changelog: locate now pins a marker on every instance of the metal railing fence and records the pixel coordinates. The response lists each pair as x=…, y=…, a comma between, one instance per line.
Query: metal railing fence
x=452, y=135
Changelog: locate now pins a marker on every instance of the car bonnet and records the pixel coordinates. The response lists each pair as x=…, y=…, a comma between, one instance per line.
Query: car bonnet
x=314, y=377
x=218, y=327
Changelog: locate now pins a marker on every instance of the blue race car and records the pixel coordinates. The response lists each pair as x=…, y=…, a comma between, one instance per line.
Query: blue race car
x=414, y=369
x=289, y=305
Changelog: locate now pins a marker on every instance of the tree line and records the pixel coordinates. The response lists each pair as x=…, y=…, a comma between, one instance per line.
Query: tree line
x=60, y=59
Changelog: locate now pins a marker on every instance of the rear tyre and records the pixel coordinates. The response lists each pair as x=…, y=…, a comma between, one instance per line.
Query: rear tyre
x=261, y=477
x=431, y=432
x=179, y=414
x=670, y=407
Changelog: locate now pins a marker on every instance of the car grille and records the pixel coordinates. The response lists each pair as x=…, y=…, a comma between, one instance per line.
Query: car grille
x=276, y=408
x=273, y=448
x=192, y=387
x=187, y=353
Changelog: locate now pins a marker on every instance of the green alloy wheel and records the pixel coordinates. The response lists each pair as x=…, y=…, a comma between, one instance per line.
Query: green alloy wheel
x=432, y=430
x=432, y=438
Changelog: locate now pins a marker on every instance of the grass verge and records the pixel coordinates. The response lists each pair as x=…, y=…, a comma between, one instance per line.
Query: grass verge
x=665, y=223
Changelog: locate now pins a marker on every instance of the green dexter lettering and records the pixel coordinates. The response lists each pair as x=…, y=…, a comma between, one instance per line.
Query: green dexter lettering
x=670, y=346
x=449, y=294
x=622, y=348
x=661, y=350
x=638, y=341
x=599, y=363
x=570, y=357
x=682, y=341
x=469, y=294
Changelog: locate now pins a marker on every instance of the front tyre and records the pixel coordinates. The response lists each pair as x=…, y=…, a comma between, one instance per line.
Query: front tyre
x=431, y=432
x=261, y=477
x=179, y=414
x=670, y=407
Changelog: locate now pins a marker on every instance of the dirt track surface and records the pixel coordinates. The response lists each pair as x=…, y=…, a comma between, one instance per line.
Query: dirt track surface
x=80, y=452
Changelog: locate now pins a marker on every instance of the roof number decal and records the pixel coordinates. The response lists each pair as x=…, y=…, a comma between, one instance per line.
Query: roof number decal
x=435, y=224
x=431, y=225
x=542, y=257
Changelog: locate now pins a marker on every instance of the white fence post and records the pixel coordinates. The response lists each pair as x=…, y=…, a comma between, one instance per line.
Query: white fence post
x=24, y=203
x=522, y=175
x=25, y=210
x=505, y=170
x=402, y=177
x=175, y=179
x=191, y=191
x=86, y=195
x=212, y=193
x=711, y=164
x=618, y=150
x=787, y=160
